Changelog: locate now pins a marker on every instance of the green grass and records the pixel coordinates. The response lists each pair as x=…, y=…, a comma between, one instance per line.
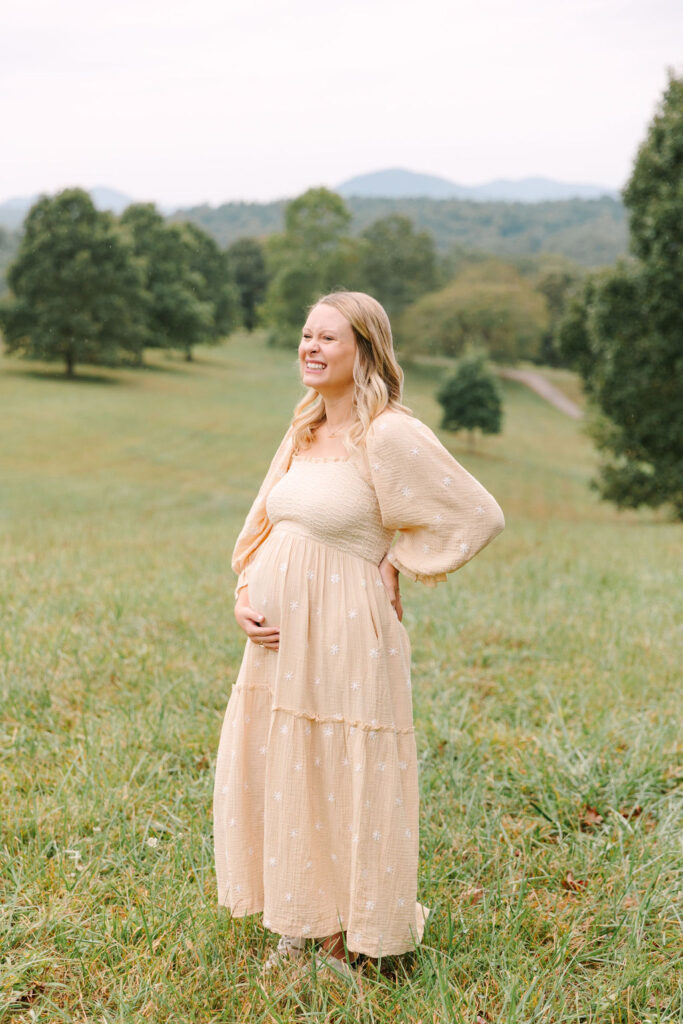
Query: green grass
x=546, y=708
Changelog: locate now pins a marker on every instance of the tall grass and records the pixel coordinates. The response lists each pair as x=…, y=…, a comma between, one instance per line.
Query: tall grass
x=547, y=707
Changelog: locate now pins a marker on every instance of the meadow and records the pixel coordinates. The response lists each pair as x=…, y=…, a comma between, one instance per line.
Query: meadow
x=546, y=684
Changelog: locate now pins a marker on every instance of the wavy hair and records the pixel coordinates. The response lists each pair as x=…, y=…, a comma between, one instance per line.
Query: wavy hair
x=378, y=379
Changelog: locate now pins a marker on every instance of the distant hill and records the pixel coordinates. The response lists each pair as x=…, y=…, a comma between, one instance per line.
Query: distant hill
x=397, y=183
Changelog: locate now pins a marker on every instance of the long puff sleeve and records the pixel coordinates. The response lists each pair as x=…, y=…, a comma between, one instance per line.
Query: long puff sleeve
x=444, y=515
x=257, y=526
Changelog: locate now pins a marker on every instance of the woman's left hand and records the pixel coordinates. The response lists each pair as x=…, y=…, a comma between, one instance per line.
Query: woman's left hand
x=389, y=574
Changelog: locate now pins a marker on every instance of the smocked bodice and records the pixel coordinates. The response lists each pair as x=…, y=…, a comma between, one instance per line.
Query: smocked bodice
x=329, y=500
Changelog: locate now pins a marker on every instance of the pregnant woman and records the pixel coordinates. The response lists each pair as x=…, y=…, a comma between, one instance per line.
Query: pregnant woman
x=316, y=791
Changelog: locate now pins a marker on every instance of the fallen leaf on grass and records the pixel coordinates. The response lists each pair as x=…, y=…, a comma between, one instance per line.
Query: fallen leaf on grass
x=573, y=884
x=590, y=817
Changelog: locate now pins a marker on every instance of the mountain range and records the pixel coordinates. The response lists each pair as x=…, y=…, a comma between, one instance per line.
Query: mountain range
x=394, y=183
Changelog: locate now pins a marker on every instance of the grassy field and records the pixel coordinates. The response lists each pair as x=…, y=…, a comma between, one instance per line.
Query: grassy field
x=546, y=706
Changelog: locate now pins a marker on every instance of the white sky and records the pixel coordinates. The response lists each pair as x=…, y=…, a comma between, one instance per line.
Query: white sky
x=186, y=101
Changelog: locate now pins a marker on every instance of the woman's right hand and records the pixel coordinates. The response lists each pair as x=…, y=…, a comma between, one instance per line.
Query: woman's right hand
x=253, y=623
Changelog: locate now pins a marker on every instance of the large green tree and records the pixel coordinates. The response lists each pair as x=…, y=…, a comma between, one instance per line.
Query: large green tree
x=489, y=304
x=313, y=255
x=216, y=283
x=397, y=263
x=179, y=313
x=76, y=289
x=247, y=262
x=624, y=331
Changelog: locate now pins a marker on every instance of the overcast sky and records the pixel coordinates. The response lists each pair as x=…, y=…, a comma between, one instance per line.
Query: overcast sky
x=210, y=100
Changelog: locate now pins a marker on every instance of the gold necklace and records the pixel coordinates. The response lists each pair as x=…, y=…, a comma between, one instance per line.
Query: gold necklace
x=333, y=433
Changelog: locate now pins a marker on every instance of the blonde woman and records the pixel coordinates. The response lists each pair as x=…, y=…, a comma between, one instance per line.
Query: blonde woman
x=316, y=791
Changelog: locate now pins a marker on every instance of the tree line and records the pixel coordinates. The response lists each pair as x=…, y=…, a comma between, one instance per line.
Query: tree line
x=89, y=287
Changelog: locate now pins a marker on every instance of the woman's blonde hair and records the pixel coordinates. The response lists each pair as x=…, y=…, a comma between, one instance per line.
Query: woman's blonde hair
x=378, y=379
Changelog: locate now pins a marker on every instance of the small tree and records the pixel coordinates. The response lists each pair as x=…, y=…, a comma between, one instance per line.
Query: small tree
x=77, y=292
x=471, y=398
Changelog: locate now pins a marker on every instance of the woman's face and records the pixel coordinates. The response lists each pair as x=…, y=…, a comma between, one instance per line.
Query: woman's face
x=327, y=351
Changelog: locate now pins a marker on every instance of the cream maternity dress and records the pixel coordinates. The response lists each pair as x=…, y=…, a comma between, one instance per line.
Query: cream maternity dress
x=316, y=789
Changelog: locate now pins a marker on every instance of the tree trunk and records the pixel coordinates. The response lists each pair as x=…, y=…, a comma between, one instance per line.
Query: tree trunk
x=188, y=355
x=69, y=356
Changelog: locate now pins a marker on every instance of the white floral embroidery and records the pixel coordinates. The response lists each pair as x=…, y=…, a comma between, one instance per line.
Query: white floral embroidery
x=415, y=450
x=381, y=766
x=284, y=729
x=298, y=766
x=372, y=735
x=288, y=897
x=263, y=749
x=225, y=789
x=353, y=612
x=355, y=838
x=358, y=768
x=398, y=801
x=383, y=426
x=368, y=802
x=328, y=731
x=409, y=834
x=289, y=675
x=238, y=888
x=333, y=856
x=355, y=685
x=390, y=869
x=393, y=651
x=310, y=575
x=307, y=730
x=316, y=681
x=317, y=762
x=406, y=492
x=232, y=822
x=330, y=797
x=403, y=765
x=308, y=865
x=369, y=904
x=400, y=902
x=305, y=929
x=377, y=835
x=283, y=567
x=376, y=466
x=246, y=786
x=250, y=851
x=293, y=605
x=438, y=518
x=479, y=510
x=277, y=795
x=345, y=762
x=352, y=730
x=426, y=548
x=334, y=649
x=464, y=547
x=233, y=755
x=293, y=833
x=247, y=718
x=335, y=577
x=374, y=652
x=378, y=582
x=447, y=480
x=318, y=826
x=272, y=861
x=363, y=583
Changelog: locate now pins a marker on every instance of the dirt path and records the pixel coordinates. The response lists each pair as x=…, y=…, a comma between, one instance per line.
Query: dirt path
x=545, y=389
